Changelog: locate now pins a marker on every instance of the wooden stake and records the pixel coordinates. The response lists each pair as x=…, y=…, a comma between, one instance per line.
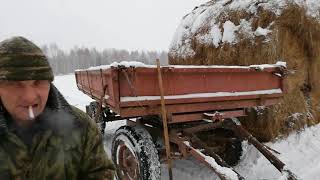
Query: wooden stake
x=164, y=121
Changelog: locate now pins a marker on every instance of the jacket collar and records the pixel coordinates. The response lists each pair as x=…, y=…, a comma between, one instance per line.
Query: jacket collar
x=3, y=123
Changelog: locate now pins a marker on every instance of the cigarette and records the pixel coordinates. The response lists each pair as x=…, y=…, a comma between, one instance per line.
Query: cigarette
x=31, y=114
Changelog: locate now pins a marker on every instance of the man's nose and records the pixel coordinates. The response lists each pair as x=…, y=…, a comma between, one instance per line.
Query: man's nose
x=30, y=95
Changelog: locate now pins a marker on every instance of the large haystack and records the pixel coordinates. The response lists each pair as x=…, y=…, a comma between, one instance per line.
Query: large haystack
x=244, y=32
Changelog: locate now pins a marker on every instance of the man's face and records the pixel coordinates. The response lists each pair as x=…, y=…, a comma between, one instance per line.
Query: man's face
x=18, y=96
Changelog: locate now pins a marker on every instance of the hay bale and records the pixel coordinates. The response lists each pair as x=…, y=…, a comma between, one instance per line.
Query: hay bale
x=237, y=32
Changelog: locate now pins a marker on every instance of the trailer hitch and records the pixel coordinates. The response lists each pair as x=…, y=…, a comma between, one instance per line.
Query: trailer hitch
x=235, y=125
x=209, y=158
x=217, y=116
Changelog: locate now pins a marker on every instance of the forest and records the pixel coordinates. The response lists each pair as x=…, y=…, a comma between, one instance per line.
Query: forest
x=66, y=61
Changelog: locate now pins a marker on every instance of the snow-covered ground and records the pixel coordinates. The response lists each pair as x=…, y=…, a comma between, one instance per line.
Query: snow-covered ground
x=300, y=151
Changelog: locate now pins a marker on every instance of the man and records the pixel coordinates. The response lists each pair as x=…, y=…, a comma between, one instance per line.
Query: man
x=42, y=137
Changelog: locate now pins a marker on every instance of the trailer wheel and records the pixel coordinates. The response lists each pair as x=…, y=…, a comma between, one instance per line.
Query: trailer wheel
x=91, y=110
x=134, y=154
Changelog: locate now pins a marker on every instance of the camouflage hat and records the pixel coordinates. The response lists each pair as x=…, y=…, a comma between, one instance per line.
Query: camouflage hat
x=20, y=60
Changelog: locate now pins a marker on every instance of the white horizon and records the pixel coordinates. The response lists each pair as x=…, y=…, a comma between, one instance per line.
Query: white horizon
x=127, y=24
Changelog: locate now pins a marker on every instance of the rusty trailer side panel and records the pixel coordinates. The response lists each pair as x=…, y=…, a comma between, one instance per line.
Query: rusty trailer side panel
x=179, y=81
x=100, y=84
x=133, y=92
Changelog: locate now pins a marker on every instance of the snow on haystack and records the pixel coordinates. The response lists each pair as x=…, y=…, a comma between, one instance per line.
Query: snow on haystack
x=207, y=15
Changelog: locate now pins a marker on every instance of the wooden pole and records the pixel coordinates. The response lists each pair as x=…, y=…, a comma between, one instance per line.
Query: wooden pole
x=164, y=121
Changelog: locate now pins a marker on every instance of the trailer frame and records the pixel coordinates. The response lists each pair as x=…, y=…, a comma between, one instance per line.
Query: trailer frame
x=119, y=95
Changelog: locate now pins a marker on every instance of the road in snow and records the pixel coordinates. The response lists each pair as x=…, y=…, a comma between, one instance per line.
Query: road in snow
x=300, y=151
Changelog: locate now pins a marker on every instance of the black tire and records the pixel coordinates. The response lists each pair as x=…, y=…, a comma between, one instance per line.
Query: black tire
x=138, y=142
x=91, y=110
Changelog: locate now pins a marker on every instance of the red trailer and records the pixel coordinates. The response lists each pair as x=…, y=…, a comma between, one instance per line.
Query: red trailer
x=199, y=112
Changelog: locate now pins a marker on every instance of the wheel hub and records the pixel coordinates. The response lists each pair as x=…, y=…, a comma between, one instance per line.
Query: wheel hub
x=128, y=164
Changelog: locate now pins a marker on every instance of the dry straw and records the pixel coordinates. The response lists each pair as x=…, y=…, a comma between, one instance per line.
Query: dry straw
x=294, y=38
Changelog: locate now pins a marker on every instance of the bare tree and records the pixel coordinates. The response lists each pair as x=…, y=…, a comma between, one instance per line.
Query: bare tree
x=64, y=62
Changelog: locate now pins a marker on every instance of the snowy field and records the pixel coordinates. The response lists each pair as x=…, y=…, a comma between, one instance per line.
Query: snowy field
x=300, y=151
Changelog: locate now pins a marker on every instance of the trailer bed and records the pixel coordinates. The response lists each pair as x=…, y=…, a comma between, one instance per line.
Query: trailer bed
x=134, y=91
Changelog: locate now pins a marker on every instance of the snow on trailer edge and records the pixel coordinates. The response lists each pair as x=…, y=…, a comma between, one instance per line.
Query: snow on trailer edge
x=201, y=95
x=135, y=64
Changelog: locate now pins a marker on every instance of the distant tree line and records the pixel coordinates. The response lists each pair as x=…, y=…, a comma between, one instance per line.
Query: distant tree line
x=65, y=62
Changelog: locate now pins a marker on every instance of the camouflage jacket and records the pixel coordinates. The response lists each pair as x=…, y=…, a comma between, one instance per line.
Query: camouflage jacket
x=66, y=145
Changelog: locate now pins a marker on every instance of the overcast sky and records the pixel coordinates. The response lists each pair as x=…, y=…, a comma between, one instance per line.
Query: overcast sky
x=125, y=24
